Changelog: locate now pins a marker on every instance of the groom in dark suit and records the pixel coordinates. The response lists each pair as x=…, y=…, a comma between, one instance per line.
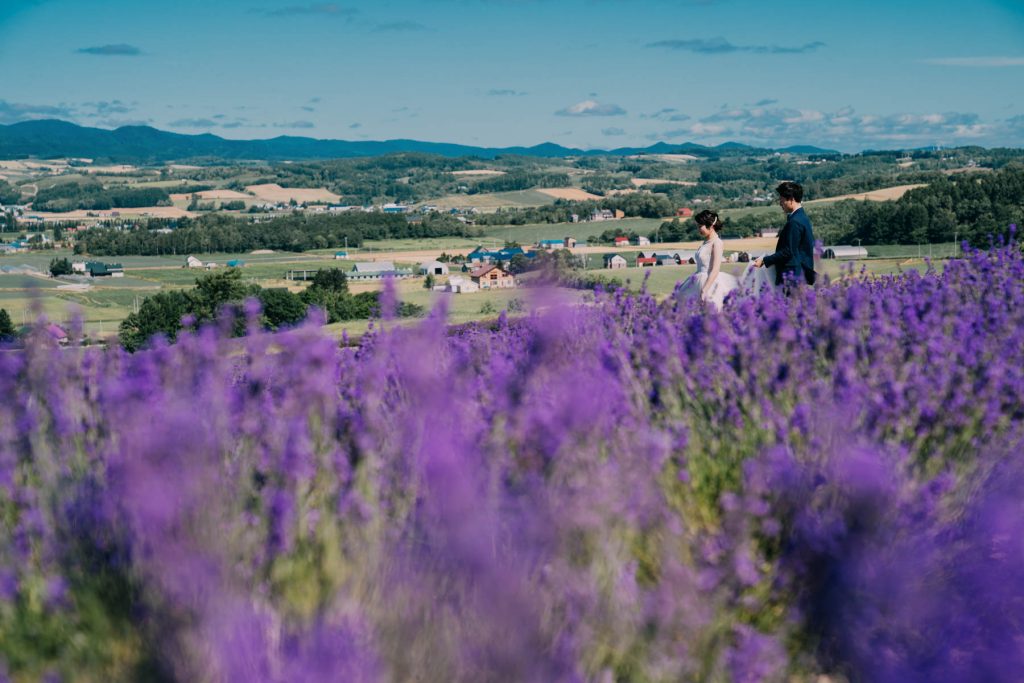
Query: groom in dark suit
x=794, y=253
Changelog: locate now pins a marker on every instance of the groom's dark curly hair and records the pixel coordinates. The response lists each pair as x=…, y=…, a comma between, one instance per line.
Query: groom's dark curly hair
x=790, y=190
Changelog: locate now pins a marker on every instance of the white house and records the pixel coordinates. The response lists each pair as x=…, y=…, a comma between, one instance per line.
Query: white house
x=614, y=261
x=78, y=267
x=460, y=285
x=433, y=268
x=193, y=262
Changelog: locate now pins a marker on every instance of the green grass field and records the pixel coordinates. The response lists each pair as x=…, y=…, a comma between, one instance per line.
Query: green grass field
x=375, y=247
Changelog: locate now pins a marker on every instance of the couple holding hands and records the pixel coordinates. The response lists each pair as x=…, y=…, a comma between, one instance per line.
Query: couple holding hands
x=790, y=264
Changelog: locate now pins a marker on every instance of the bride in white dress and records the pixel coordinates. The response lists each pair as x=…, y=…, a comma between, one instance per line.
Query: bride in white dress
x=709, y=283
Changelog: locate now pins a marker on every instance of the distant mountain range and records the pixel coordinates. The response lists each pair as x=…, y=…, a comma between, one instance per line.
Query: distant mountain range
x=143, y=144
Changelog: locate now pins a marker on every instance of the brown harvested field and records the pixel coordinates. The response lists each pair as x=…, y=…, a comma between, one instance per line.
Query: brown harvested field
x=478, y=172
x=570, y=193
x=272, y=192
x=641, y=182
x=212, y=194
x=884, y=195
x=147, y=211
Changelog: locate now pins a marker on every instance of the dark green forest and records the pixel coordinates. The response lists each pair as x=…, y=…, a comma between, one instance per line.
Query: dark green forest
x=92, y=195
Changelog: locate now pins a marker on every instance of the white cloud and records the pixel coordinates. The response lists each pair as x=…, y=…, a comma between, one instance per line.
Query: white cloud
x=12, y=112
x=977, y=62
x=327, y=9
x=591, y=108
x=295, y=124
x=721, y=46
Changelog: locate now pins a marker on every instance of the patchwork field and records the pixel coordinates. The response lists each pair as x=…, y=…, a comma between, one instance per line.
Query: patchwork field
x=273, y=192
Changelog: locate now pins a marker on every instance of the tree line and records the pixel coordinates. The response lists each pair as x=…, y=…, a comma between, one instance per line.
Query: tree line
x=9, y=194
x=220, y=233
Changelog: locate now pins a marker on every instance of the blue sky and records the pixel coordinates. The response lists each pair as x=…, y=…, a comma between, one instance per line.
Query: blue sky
x=584, y=73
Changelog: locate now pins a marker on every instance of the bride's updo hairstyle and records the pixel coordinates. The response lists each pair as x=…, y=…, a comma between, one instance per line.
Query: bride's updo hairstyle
x=709, y=219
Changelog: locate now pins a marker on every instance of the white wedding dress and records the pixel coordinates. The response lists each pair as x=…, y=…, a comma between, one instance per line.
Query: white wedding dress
x=758, y=280
x=723, y=284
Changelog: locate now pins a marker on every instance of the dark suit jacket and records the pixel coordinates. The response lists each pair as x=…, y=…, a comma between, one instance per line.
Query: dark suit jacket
x=794, y=252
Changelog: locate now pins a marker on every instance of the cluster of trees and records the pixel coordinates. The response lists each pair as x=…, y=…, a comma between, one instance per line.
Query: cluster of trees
x=294, y=232
x=678, y=231
x=92, y=195
x=7, y=331
x=223, y=293
x=521, y=179
x=9, y=194
x=60, y=267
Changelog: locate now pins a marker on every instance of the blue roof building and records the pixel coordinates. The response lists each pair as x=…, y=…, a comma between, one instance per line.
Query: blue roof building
x=483, y=255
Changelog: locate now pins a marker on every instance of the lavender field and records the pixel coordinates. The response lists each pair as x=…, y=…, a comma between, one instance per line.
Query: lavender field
x=828, y=484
